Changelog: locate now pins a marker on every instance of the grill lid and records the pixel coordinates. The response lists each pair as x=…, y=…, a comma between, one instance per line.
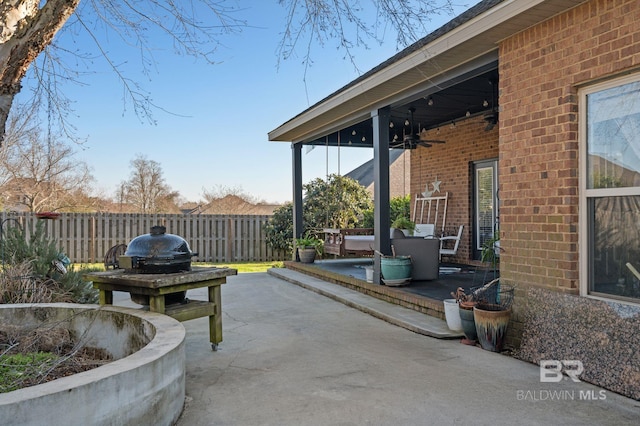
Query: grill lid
x=157, y=252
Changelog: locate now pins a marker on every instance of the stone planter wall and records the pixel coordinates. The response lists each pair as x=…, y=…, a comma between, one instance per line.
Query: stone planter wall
x=145, y=385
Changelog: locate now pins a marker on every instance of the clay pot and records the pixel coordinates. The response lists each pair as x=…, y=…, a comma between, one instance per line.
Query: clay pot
x=491, y=328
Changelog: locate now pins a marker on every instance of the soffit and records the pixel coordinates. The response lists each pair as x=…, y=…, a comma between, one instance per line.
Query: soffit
x=414, y=73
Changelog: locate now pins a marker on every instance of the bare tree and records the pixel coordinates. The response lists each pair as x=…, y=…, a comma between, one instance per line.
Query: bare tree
x=28, y=27
x=350, y=24
x=39, y=172
x=218, y=192
x=146, y=188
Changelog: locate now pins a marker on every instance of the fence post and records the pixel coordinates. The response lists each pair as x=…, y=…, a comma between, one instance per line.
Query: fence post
x=230, y=237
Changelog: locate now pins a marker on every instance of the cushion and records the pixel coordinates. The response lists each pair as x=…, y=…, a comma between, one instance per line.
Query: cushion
x=426, y=230
x=397, y=233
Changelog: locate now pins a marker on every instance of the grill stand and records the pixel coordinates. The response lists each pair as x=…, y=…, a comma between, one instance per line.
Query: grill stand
x=157, y=286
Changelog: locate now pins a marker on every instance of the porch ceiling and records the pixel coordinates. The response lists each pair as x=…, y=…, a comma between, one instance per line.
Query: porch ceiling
x=453, y=65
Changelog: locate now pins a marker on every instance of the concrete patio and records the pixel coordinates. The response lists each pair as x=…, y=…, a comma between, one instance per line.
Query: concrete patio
x=291, y=356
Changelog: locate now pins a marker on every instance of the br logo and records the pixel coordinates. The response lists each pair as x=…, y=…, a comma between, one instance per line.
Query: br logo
x=551, y=370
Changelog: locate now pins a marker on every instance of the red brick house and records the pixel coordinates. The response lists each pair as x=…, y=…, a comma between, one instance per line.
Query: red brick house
x=399, y=174
x=539, y=104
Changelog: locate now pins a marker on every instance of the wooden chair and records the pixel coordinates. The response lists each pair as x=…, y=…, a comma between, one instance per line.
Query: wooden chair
x=456, y=243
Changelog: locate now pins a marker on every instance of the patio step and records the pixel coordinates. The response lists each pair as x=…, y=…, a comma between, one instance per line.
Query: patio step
x=395, y=314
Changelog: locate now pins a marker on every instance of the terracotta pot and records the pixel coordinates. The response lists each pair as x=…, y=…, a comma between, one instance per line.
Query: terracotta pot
x=491, y=328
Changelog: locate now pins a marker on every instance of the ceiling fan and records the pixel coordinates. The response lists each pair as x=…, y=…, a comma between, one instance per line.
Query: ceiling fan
x=412, y=140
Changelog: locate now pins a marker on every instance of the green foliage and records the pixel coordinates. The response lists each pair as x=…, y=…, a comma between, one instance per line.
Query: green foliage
x=79, y=289
x=490, y=250
x=37, y=249
x=40, y=252
x=310, y=241
x=338, y=202
x=17, y=368
x=279, y=229
x=402, y=222
x=398, y=207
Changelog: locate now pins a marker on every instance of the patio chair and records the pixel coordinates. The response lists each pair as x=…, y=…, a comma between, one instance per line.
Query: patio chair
x=456, y=243
x=426, y=230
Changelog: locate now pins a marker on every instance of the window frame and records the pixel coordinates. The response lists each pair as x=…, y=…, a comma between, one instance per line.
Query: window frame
x=584, y=238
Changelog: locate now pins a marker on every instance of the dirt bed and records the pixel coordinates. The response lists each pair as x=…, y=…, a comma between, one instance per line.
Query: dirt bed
x=73, y=357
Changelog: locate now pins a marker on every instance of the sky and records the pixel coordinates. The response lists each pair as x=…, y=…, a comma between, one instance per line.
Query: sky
x=204, y=142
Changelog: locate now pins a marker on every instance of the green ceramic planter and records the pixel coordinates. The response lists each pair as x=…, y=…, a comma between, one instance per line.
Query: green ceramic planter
x=396, y=268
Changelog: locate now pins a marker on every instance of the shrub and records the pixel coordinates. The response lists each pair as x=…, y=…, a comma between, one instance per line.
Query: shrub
x=338, y=202
x=29, y=276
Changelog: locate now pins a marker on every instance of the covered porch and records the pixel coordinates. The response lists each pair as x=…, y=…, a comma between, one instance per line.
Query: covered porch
x=437, y=99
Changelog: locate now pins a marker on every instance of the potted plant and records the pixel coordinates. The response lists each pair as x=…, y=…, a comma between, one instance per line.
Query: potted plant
x=451, y=314
x=490, y=255
x=465, y=311
x=307, y=247
x=395, y=270
x=492, y=314
x=490, y=251
x=405, y=224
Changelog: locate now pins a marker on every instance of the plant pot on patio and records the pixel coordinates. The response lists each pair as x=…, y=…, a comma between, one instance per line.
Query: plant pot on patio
x=396, y=270
x=452, y=314
x=491, y=327
x=307, y=247
x=307, y=255
x=492, y=314
x=465, y=309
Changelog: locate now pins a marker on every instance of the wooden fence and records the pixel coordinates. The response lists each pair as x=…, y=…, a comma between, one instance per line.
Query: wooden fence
x=86, y=237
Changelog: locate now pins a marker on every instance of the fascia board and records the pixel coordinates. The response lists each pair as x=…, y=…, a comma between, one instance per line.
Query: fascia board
x=485, y=31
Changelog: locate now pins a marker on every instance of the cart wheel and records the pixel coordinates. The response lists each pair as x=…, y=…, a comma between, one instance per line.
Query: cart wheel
x=214, y=347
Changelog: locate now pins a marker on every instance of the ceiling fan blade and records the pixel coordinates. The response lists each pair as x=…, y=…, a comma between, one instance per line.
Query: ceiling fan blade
x=432, y=141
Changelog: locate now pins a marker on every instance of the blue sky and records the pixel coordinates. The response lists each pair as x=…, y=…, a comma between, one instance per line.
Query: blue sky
x=207, y=144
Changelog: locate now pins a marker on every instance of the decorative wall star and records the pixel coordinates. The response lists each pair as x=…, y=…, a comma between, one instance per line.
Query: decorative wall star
x=436, y=185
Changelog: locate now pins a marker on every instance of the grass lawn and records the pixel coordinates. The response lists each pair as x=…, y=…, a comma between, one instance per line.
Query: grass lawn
x=242, y=267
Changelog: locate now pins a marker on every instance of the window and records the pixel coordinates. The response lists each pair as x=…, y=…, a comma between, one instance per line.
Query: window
x=485, y=203
x=610, y=180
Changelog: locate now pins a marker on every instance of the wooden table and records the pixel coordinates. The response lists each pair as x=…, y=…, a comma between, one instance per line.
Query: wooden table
x=157, y=286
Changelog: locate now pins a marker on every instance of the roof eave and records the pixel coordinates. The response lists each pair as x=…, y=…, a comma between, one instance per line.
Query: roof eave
x=473, y=39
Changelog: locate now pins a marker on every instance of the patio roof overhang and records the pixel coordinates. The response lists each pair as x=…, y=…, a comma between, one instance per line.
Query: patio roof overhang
x=453, y=65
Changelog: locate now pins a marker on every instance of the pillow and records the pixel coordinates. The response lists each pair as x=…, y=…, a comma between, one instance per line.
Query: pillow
x=426, y=230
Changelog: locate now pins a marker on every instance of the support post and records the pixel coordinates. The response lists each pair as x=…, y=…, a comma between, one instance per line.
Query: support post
x=381, y=221
x=298, y=225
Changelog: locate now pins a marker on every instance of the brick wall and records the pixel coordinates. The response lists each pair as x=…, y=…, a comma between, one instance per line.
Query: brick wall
x=400, y=176
x=540, y=70
x=451, y=163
